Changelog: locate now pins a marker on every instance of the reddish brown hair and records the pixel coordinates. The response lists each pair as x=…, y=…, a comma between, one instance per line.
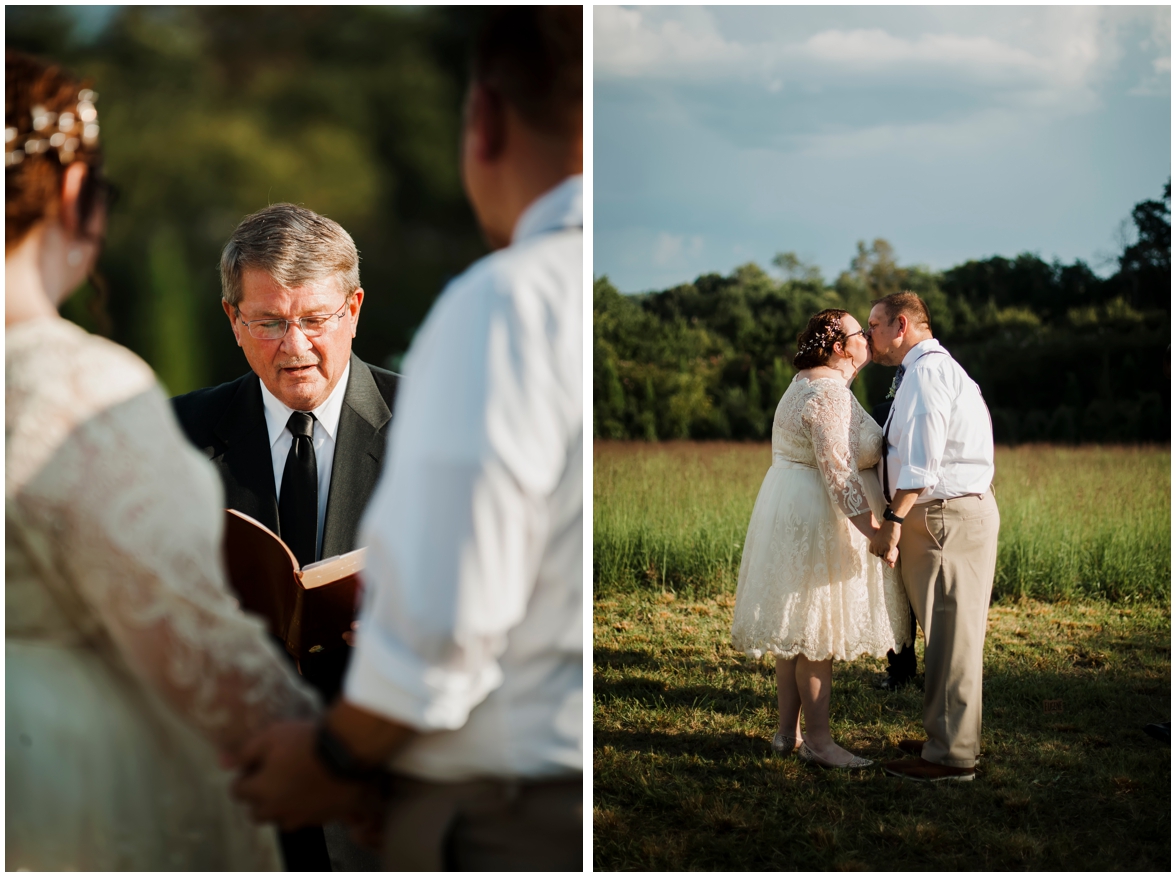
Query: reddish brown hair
x=32, y=187
x=814, y=345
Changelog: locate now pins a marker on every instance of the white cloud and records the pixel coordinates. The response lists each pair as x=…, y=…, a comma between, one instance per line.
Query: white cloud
x=1043, y=58
x=877, y=48
x=1157, y=44
x=627, y=43
x=672, y=249
x=955, y=132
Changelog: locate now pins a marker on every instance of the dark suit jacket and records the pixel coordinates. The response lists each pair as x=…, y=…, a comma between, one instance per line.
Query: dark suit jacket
x=227, y=423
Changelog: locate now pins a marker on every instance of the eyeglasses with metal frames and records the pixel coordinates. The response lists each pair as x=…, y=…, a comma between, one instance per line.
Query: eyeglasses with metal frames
x=313, y=325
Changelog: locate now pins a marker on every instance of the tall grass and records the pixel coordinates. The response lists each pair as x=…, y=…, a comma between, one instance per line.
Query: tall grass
x=1086, y=522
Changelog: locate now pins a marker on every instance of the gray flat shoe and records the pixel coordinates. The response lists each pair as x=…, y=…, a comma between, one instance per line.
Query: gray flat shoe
x=782, y=745
x=855, y=763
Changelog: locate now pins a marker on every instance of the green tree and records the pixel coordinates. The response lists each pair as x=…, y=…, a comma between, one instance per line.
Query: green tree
x=210, y=113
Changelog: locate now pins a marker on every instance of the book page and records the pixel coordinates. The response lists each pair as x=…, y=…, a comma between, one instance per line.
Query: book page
x=331, y=569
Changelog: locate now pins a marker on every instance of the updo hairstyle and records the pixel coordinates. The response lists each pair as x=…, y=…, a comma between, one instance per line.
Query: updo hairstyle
x=814, y=345
x=49, y=122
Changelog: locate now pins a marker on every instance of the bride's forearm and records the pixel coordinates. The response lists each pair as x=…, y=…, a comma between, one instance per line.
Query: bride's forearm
x=866, y=524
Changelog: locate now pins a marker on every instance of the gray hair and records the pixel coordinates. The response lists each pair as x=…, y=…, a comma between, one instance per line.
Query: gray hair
x=292, y=245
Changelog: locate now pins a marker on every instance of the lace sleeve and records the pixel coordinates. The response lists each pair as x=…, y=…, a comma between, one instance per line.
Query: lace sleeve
x=133, y=519
x=828, y=415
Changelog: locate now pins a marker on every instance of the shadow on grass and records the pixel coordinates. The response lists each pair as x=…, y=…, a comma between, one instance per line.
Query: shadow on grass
x=656, y=694
x=1083, y=788
x=711, y=746
x=615, y=659
x=1084, y=709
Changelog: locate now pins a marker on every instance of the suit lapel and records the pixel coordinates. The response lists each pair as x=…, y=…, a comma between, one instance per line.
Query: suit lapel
x=359, y=453
x=245, y=464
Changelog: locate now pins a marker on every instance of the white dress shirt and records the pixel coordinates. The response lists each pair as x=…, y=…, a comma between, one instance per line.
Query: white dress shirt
x=471, y=627
x=326, y=429
x=939, y=432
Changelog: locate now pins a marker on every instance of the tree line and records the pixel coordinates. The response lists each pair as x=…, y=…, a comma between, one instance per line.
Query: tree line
x=1060, y=354
x=209, y=113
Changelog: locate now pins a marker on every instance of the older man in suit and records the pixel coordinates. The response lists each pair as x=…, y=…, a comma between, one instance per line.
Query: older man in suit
x=299, y=440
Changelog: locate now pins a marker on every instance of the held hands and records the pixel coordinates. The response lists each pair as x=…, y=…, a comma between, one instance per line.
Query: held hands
x=282, y=781
x=883, y=539
x=884, y=543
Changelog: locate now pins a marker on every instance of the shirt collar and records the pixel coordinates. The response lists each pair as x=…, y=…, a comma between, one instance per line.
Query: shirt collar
x=558, y=208
x=277, y=414
x=918, y=350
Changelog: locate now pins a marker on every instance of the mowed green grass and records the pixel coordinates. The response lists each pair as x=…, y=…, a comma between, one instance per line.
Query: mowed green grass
x=683, y=773
x=1076, y=523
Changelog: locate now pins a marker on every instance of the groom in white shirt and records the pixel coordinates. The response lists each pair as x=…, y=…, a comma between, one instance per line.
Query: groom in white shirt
x=937, y=468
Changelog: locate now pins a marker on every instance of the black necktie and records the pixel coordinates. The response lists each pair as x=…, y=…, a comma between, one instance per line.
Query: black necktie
x=886, y=436
x=298, y=500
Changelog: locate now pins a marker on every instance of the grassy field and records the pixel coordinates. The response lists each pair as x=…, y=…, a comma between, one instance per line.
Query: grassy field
x=1075, y=522
x=684, y=777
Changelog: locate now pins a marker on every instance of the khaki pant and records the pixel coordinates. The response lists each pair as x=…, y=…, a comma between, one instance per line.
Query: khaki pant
x=485, y=825
x=947, y=555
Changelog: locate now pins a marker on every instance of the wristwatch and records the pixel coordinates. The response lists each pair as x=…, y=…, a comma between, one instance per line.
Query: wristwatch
x=338, y=760
x=889, y=515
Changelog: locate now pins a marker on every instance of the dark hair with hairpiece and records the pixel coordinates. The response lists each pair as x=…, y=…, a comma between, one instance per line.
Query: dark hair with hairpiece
x=814, y=345
x=905, y=302
x=49, y=123
x=533, y=56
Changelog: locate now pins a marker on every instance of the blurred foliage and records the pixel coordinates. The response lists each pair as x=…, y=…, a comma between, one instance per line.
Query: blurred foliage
x=1060, y=354
x=211, y=113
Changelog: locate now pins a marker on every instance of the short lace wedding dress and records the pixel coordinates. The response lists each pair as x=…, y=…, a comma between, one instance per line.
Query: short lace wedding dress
x=807, y=583
x=127, y=662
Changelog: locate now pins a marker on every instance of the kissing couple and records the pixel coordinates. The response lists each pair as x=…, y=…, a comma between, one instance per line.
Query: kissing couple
x=855, y=522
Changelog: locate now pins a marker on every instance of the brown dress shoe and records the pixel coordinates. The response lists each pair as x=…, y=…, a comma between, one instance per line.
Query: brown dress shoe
x=928, y=772
x=912, y=747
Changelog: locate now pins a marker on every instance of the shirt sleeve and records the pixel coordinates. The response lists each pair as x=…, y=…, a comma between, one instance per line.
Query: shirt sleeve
x=921, y=445
x=456, y=527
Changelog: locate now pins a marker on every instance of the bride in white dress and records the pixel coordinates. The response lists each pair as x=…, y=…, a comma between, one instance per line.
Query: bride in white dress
x=127, y=662
x=809, y=590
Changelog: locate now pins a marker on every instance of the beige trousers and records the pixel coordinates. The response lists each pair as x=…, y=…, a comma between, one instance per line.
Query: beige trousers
x=947, y=555
x=485, y=825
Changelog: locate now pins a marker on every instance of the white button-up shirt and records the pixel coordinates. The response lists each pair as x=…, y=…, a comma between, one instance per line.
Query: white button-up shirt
x=471, y=626
x=939, y=432
x=326, y=429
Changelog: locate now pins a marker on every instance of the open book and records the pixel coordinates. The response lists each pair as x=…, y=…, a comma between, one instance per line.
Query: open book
x=310, y=608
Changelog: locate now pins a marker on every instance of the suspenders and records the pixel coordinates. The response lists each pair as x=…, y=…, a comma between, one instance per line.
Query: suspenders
x=886, y=436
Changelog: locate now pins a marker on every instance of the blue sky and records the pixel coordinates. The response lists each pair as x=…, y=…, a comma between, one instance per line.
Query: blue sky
x=724, y=135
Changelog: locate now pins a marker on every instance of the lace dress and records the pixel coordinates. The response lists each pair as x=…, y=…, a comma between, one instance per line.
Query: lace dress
x=807, y=583
x=127, y=663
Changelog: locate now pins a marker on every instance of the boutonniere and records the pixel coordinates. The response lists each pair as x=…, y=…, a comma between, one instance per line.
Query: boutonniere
x=896, y=381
